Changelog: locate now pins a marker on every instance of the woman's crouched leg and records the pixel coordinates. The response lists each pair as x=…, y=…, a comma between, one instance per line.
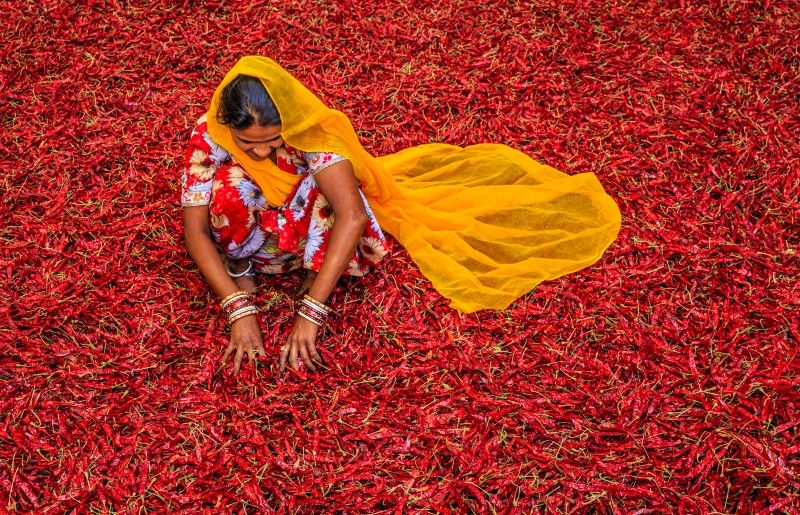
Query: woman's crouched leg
x=236, y=205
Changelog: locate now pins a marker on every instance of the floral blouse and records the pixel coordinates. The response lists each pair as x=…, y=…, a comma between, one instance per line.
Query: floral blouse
x=204, y=157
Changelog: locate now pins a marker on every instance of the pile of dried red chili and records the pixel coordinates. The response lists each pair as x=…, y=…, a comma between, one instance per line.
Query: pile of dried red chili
x=665, y=377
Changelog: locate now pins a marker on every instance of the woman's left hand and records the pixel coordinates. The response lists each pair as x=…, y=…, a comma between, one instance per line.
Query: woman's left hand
x=301, y=343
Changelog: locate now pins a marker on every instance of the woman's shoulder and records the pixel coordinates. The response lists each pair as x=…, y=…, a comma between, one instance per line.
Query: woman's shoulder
x=318, y=161
x=200, y=126
x=307, y=162
x=201, y=141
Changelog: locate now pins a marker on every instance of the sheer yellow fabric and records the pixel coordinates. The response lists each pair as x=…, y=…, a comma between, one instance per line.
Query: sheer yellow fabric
x=485, y=223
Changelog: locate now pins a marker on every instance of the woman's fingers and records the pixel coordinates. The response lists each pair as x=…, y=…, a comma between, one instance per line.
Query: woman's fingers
x=249, y=344
x=291, y=352
x=293, y=355
x=306, y=358
x=237, y=361
x=297, y=349
x=315, y=357
x=228, y=352
x=284, y=356
x=256, y=349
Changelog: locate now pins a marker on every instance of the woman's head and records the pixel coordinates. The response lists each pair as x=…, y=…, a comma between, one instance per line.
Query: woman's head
x=247, y=109
x=245, y=102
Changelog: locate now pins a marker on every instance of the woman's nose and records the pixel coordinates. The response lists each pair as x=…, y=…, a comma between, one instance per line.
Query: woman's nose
x=262, y=151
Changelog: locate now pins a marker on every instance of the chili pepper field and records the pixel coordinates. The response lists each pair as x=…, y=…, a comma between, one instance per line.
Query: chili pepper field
x=663, y=379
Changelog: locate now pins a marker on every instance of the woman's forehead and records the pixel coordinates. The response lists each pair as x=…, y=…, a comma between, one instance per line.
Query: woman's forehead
x=257, y=133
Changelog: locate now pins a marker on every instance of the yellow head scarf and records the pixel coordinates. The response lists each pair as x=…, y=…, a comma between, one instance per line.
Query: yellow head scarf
x=485, y=223
x=306, y=124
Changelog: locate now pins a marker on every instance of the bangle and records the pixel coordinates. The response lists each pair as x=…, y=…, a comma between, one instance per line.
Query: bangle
x=237, y=303
x=232, y=320
x=236, y=315
x=314, y=308
x=232, y=296
x=318, y=323
x=240, y=274
x=245, y=309
x=315, y=302
x=313, y=316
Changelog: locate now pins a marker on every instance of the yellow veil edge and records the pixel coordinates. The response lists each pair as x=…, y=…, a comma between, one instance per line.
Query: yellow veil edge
x=485, y=223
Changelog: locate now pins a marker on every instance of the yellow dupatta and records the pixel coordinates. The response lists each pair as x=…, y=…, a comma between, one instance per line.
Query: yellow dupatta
x=484, y=223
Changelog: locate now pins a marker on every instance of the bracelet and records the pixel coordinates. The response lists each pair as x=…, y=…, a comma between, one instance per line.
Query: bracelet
x=240, y=274
x=312, y=313
x=315, y=322
x=313, y=316
x=250, y=310
x=232, y=320
x=224, y=302
x=314, y=308
x=246, y=309
x=237, y=303
x=315, y=302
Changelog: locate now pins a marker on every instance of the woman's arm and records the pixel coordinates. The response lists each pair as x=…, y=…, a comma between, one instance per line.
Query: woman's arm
x=245, y=333
x=337, y=183
x=204, y=252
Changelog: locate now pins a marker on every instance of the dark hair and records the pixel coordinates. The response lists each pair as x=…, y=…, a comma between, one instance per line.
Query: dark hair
x=245, y=102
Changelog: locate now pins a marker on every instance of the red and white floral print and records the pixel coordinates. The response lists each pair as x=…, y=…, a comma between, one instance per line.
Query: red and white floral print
x=277, y=239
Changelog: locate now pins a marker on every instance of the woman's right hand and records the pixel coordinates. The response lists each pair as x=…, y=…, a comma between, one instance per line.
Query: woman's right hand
x=245, y=338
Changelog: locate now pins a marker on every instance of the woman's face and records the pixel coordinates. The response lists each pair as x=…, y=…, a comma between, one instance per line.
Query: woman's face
x=258, y=142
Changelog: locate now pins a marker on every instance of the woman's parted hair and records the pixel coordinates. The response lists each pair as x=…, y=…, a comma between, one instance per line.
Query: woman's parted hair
x=245, y=102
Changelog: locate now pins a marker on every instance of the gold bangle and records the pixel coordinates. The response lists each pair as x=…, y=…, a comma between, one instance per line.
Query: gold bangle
x=317, y=303
x=232, y=296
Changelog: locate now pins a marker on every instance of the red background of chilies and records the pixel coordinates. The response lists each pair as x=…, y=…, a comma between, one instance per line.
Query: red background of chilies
x=666, y=376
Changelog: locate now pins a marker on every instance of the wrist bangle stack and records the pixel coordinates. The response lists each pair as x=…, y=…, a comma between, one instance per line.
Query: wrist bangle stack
x=237, y=294
x=313, y=310
x=238, y=305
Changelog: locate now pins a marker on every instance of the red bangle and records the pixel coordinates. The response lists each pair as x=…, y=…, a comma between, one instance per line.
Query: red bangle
x=311, y=315
x=237, y=303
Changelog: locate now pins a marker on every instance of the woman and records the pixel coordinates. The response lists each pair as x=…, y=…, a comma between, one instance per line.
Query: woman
x=276, y=181
x=327, y=226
